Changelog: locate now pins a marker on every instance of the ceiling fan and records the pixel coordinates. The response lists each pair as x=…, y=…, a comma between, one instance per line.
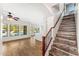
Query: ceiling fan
x=10, y=16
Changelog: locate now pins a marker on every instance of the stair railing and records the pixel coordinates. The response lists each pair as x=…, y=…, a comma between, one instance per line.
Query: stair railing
x=48, y=38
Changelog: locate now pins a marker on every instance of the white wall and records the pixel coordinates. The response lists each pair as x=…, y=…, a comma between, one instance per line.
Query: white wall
x=61, y=7
x=77, y=26
x=1, y=45
x=53, y=19
x=31, y=12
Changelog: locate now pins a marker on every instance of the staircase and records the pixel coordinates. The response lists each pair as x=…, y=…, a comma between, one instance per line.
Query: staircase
x=65, y=43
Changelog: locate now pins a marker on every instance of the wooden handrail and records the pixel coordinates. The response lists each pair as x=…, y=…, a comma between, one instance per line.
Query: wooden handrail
x=43, y=46
x=55, y=24
x=48, y=32
x=43, y=49
x=58, y=20
x=44, y=37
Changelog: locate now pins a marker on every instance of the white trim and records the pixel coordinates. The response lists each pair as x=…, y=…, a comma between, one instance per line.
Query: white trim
x=65, y=45
x=67, y=40
x=14, y=38
x=1, y=45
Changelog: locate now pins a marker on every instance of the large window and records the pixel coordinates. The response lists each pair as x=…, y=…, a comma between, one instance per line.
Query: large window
x=70, y=8
x=14, y=30
x=5, y=30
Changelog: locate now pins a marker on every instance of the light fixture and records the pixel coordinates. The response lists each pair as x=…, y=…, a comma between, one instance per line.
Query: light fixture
x=10, y=17
x=16, y=18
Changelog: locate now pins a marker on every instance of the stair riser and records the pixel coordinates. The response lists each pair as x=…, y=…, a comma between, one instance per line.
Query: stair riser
x=66, y=48
x=65, y=18
x=68, y=24
x=71, y=27
x=72, y=22
x=58, y=52
x=68, y=21
x=63, y=23
x=67, y=33
x=68, y=37
x=69, y=15
x=68, y=27
x=65, y=41
x=67, y=30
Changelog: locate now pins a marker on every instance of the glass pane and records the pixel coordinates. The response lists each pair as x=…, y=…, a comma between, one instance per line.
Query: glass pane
x=32, y=30
x=21, y=30
x=36, y=30
x=5, y=30
x=25, y=30
x=14, y=30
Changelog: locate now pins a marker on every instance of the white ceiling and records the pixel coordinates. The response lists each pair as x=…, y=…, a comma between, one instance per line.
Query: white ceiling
x=33, y=12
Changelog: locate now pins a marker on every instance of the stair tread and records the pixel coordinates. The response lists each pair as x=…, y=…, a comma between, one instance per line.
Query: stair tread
x=67, y=48
x=67, y=24
x=69, y=15
x=59, y=52
x=73, y=30
x=65, y=29
x=68, y=27
x=65, y=41
x=64, y=45
x=63, y=38
x=66, y=33
x=68, y=21
x=68, y=37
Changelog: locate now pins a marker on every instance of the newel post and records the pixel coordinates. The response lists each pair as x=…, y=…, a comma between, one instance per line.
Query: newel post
x=43, y=45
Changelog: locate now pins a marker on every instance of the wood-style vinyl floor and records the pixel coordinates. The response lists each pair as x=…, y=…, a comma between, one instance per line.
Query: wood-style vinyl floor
x=23, y=47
